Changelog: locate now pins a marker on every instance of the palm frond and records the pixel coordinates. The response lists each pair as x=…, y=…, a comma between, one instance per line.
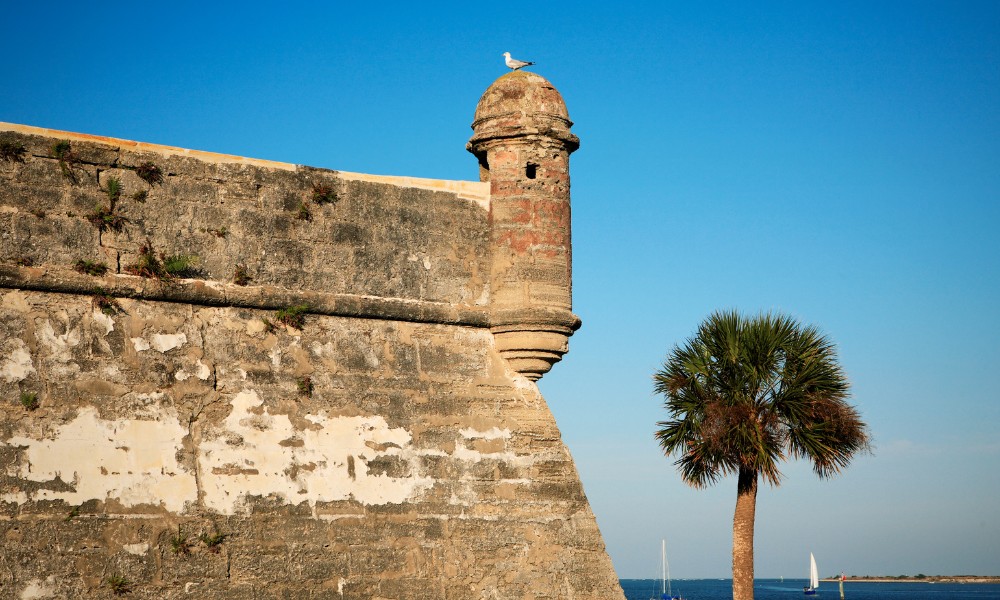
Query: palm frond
x=745, y=393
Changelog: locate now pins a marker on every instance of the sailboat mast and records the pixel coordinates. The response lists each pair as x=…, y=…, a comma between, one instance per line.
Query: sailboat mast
x=663, y=559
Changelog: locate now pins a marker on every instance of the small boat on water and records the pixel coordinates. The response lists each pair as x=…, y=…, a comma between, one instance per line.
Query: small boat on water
x=810, y=590
x=666, y=593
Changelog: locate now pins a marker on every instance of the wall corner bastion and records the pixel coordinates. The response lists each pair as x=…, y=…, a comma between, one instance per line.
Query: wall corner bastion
x=224, y=377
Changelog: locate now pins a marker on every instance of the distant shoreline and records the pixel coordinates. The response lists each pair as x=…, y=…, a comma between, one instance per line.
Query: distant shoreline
x=925, y=579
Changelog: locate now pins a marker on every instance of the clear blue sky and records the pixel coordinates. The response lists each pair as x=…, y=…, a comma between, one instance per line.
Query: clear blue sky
x=839, y=161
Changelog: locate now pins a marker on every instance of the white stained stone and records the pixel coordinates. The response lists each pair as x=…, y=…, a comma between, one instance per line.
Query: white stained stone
x=59, y=346
x=37, y=589
x=17, y=364
x=203, y=372
x=490, y=434
x=163, y=342
x=259, y=465
x=104, y=321
x=133, y=461
x=252, y=452
x=136, y=549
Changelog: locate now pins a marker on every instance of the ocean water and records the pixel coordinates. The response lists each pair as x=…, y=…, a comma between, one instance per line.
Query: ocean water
x=791, y=589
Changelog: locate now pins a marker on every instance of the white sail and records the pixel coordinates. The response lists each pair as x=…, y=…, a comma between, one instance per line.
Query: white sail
x=813, y=572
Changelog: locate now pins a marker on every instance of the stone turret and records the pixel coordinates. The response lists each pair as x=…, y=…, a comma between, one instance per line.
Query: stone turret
x=523, y=141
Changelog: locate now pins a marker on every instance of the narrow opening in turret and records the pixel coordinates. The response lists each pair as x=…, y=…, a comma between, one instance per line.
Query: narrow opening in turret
x=530, y=170
x=484, y=168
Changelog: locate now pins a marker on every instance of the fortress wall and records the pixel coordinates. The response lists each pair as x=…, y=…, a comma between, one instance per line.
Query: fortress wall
x=384, y=449
x=373, y=238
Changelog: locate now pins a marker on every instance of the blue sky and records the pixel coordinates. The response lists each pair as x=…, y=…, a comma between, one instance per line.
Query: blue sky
x=837, y=161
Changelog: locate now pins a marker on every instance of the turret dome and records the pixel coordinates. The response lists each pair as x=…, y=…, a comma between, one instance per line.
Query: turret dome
x=522, y=103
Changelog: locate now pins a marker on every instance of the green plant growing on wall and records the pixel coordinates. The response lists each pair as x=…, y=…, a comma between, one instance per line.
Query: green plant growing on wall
x=118, y=585
x=12, y=151
x=148, y=265
x=114, y=190
x=63, y=152
x=61, y=149
x=72, y=514
x=149, y=173
x=164, y=267
x=105, y=302
x=292, y=316
x=179, y=544
x=140, y=196
x=304, y=385
x=323, y=193
x=213, y=541
x=29, y=400
x=269, y=326
x=240, y=275
x=303, y=213
x=90, y=267
x=180, y=265
x=106, y=218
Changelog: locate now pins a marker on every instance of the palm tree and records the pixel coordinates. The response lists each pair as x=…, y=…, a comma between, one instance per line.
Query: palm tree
x=744, y=394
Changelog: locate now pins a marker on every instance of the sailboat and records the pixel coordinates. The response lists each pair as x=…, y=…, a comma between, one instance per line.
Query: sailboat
x=666, y=593
x=810, y=590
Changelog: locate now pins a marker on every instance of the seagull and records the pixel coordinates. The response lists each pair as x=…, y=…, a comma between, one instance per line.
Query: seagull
x=513, y=63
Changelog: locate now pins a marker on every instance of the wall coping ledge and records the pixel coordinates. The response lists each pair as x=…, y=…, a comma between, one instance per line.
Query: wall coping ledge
x=262, y=297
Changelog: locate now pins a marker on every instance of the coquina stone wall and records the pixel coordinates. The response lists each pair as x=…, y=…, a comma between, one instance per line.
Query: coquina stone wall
x=185, y=434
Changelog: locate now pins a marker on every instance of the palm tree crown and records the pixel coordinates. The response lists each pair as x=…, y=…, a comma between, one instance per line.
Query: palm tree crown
x=744, y=393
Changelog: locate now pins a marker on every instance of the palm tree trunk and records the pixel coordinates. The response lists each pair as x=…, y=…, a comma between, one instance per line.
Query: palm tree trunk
x=746, y=506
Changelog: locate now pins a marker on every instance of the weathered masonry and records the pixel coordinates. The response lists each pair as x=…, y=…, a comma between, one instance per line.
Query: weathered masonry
x=232, y=378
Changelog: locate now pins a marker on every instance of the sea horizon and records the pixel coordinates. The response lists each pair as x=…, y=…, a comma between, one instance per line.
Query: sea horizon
x=791, y=589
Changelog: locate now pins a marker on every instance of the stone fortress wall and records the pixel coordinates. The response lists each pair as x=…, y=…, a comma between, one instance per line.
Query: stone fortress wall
x=331, y=397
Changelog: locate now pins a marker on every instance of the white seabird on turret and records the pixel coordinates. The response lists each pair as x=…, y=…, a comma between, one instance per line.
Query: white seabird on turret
x=513, y=63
